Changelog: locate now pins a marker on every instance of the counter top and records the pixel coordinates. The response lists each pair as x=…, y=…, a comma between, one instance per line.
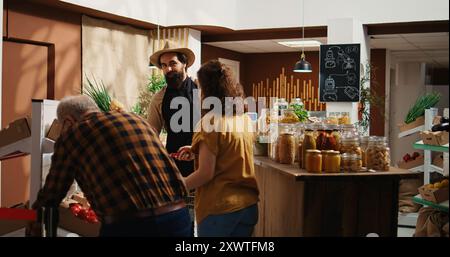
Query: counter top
x=301, y=174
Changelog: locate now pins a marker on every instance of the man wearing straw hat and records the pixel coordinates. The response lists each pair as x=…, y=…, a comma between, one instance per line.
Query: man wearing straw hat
x=174, y=60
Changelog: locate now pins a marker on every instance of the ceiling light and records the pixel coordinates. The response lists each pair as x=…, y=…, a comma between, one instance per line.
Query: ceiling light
x=298, y=44
x=302, y=65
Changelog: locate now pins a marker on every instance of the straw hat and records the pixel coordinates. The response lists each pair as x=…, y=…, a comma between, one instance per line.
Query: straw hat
x=172, y=47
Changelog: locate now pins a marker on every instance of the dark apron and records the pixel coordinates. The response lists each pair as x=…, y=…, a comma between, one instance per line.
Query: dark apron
x=175, y=140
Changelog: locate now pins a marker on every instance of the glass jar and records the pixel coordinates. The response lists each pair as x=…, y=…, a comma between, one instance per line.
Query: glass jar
x=309, y=143
x=350, y=145
x=349, y=130
x=313, y=161
x=378, y=154
x=282, y=105
x=331, y=161
x=364, y=142
x=286, y=148
x=344, y=119
x=351, y=163
x=289, y=116
x=299, y=131
x=337, y=136
x=325, y=139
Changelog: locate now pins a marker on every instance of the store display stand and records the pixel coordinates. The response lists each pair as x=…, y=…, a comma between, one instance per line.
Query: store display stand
x=410, y=219
x=43, y=114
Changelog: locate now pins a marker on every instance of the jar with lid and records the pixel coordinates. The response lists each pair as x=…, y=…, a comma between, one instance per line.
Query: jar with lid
x=282, y=106
x=313, y=161
x=364, y=143
x=325, y=138
x=287, y=148
x=331, y=161
x=350, y=145
x=289, y=116
x=349, y=130
x=344, y=119
x=337, y=136
x=309, y=143
x=351, y=163
x=378, y=154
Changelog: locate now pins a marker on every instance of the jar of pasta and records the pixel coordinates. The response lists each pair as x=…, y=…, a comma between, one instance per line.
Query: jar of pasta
x=287, y=148
x=350, y=145
x=313, y=161
x=351, y=163
x=378, y=154
x=331, y=161
x=364, y=142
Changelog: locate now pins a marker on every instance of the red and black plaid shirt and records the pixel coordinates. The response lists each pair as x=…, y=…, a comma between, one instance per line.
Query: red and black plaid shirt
x=118, y=162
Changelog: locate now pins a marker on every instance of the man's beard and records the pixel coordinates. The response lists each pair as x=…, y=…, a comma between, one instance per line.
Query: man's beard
x=174, y=79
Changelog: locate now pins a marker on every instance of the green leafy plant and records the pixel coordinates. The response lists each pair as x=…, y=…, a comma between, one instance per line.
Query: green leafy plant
x=155, y=84
x=300, y=111
x=98, y=93
x=422, y=103
x=368, y=98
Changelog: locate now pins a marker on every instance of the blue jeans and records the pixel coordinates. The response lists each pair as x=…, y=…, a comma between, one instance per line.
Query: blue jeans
x=236, y=224
x=172, y=224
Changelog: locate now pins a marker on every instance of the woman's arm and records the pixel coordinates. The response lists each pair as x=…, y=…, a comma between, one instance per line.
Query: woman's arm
x=205, y=171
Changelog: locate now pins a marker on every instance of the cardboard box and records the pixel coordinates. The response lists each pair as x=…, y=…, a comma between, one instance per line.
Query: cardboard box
x=54, y=131
x=418, y=122
x=435, y=195
x=437, y=120
x=69, y=222
x=439, y=161
x=15, y=131
x=411, y=164
x=434, y=138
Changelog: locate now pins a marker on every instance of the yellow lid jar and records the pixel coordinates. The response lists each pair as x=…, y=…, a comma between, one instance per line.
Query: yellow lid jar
x=331, y=161
x=313, y=161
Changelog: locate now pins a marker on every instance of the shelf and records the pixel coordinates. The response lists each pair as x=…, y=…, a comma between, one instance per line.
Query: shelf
x=443, y=206
x=417, y=169
x=420, y=145
x=16, y=149
x=411, y=131
x=436, y=169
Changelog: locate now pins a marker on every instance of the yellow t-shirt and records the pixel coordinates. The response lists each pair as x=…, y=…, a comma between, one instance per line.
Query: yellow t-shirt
x=233, y=186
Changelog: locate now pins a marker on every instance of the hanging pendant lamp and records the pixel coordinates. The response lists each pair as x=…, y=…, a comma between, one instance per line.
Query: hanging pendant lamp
x=303, y=65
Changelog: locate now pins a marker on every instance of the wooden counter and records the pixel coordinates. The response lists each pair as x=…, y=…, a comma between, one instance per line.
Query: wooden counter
x=296, y=203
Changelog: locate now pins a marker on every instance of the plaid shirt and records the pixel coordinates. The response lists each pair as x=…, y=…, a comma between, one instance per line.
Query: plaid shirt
x=118, y=162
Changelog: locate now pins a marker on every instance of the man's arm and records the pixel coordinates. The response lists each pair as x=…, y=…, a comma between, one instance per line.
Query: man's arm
x=154, y=112
x=59, y=179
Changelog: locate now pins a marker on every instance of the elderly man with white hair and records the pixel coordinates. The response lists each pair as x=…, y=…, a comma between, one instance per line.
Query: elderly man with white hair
x=124, y=171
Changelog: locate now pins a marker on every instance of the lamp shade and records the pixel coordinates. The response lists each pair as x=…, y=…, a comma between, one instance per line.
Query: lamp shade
x=302, y=66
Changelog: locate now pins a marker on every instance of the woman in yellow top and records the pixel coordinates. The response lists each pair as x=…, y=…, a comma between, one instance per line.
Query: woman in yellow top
x=226, y=191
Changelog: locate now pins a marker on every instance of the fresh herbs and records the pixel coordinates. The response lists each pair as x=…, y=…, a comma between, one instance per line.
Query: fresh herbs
x=422, y=103
x=300, y=111
x=98, y=93
x=155, y=84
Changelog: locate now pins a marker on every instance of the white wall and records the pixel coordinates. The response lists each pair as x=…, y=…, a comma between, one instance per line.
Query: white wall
x=256, y=14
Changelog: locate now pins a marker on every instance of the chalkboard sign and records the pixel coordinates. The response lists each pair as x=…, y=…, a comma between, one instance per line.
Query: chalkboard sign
x=339, y=73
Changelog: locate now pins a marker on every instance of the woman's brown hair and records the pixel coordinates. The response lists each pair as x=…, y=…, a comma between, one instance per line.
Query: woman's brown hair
x=217, y=80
